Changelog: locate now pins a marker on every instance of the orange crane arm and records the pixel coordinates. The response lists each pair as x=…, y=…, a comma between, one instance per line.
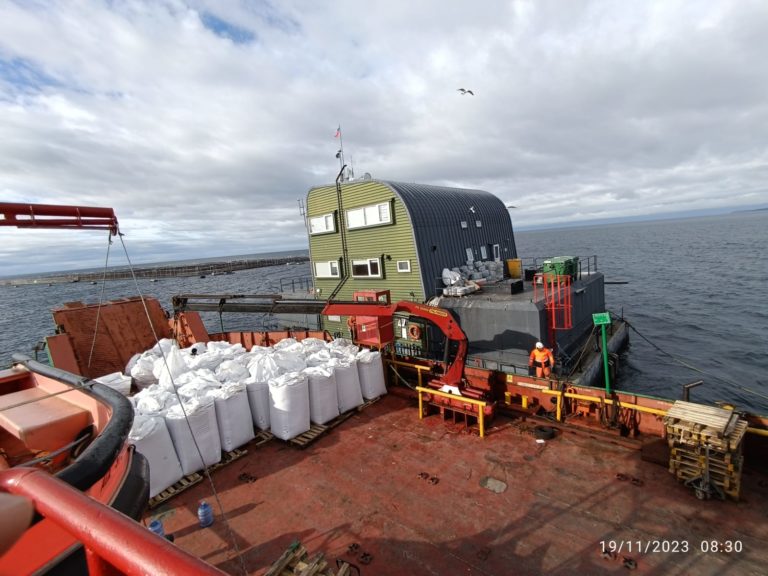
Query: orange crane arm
x=442, y=318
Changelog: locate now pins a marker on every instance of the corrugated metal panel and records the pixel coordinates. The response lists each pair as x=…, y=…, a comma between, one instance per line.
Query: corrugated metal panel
x=437, y=212
x=427, y=231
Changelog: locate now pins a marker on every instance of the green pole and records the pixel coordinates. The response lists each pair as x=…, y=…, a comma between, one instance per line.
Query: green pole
x=605, y=362
x=603, y=319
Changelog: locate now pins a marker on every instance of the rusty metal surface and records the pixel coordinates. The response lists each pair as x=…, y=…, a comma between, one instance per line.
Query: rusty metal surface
x=506, y=504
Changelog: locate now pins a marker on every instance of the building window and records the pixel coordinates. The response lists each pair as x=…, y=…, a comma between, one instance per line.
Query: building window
x=478, y=224
x=370, y=268
x=373, y=215
x=483, y=252
x=327, y=269
x=403, y=265
x=470, y=255
x=496, y=252
x=463, y=223
x=322, y=224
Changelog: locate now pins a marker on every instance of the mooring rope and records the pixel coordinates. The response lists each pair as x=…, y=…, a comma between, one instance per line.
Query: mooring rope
x=101, y=299
x=694, y=368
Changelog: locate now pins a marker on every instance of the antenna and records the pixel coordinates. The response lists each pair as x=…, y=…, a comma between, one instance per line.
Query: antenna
x=340, y=153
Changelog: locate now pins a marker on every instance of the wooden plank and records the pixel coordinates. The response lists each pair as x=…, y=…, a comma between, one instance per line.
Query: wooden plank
x=294, y=552
x=187, y=482
x=318, y=430
x=710, y=416
x=191, y=479
x=313, y=566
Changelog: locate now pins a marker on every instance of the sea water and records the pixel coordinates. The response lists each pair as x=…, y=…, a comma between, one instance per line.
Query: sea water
x=695, y=297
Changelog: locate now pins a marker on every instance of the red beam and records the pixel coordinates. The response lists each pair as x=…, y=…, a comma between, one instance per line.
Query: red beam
x=109, y=536
x=52, y=216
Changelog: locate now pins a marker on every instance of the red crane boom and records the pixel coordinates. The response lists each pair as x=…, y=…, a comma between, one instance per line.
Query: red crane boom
x=52, y=216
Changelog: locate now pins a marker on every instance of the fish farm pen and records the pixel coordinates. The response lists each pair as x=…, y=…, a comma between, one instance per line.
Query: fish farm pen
x=168, y=271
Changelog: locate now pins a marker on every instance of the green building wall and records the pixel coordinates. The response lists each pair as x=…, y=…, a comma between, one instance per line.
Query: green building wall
x=389, y=243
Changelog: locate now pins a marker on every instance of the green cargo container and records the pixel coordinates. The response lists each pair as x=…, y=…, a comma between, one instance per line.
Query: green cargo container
x=561, y=266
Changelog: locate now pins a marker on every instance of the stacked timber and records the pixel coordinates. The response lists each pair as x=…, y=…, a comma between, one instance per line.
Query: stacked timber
x=296, y=561
x=706, y=448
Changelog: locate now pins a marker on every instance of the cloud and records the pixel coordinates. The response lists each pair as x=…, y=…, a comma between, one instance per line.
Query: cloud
x=203, y=122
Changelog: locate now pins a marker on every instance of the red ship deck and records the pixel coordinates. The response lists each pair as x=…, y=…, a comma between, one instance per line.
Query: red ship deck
x=360, y=484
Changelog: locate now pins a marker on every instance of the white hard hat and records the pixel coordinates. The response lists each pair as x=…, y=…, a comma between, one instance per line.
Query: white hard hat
x=539, y=345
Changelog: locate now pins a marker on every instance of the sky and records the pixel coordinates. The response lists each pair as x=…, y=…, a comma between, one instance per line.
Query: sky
x=203, y=123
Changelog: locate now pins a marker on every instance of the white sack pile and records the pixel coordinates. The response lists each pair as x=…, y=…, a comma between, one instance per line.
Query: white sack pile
x=227, y=392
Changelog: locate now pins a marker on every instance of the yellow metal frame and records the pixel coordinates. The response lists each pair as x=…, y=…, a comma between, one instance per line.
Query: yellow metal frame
x=600, y=400
x=560, y=395
x=479, y=403
x=418, y=367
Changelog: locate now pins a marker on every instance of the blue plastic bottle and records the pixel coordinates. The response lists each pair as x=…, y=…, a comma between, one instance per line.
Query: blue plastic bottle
x=205, y=514
x=156, y=526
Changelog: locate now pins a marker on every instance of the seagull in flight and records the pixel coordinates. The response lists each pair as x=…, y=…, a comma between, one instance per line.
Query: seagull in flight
x=463, y=91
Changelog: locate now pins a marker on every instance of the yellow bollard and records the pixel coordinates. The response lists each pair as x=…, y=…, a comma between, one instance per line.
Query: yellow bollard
x=525, y=402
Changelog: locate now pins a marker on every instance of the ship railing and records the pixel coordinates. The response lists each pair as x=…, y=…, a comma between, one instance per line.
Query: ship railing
x=471, y=405
x=114, y=544
x=297, y=284
x=586, y=265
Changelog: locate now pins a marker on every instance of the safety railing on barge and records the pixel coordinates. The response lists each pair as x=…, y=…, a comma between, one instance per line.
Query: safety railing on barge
x=114, y=544
x=479, y=405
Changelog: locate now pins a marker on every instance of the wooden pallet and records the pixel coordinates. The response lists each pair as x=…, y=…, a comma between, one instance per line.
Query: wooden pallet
x=187, y=482
x=196, y=477
x=295, y=561
x=730, y=484
x=694, y=435
x=262, y=437
x=728, y=462
x=317, y=430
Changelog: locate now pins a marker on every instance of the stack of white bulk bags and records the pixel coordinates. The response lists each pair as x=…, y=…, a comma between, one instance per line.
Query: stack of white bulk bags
x=289, y=405
x=201, y=416
x=323, y=394
x=347, y=383
x=150, y=436
x=371, y=370
x=227, y=391
x=233, y=415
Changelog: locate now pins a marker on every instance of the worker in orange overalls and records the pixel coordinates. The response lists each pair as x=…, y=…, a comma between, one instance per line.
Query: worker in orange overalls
x=542, y=359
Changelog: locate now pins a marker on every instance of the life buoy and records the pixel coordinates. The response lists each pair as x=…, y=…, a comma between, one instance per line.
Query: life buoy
x=414, y=332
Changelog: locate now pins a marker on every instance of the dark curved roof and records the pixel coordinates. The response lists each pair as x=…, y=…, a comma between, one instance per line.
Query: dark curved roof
x=436, y=214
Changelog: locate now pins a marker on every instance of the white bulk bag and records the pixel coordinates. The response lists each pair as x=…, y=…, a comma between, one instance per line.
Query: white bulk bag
x=347, y=383
x=153, y=400
x=289, y=405
x=233, y=415
x=202, y=419
x=150, y=436
x=323, y=394
x=258, y=400
x=142, y=370
x=118, y=381
x=231, y=371
x=371, y=371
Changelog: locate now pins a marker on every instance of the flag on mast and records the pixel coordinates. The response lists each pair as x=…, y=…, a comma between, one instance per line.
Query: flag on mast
x=338, y=132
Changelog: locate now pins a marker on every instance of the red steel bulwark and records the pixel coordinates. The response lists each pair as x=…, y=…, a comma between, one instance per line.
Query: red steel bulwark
x=112, y=541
